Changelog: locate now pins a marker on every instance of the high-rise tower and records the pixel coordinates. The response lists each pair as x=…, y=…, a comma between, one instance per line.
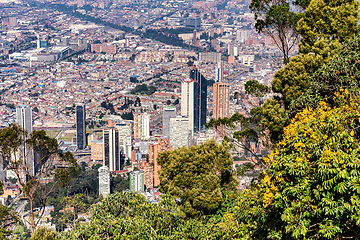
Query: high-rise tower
x=168, y=112
x=104, y=181
x=221, y=100
x=137, y=181
x=80, y=126
x=193, y=100
x=111, y=148
x=179, y=132
x=24, y=119
x=219, y=72
x=142, y=126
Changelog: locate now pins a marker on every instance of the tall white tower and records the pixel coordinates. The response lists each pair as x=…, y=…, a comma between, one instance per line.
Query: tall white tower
x=104, y=181
x=24, y=119
x=187, y=101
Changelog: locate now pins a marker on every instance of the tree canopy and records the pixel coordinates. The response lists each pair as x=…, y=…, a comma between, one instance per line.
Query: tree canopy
x=197, y=175
x=127, y=215
x=34, y=157
x=311, y=189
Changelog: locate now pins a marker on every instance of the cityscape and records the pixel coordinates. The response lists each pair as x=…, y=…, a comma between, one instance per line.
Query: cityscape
x=121, y=97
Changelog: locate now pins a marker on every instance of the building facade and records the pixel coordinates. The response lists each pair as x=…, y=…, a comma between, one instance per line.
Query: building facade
x=104, y=181
x=125, y=136
x=193, y=100
x=80, y=126
x=97, y=150
x=142, y=126
x=111, y=149
x=163, y=144
x=180, y=135
x=219, y=72
x=168, y=112
x=221, y=100
x=24, y=119
x=137, y=181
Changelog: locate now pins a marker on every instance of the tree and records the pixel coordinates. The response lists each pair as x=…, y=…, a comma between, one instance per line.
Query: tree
x=34, y=157
x=340, y=72
x=199, y=176
x=322, y=36
x=127, y=215
x=118, y=184
x=328, y=20
x=277, y=20
x=253, y=87
x=44, y=233
x=311, y=189
x=7, y=217
x=324, y=25
x=21, y=232
x=72, y=207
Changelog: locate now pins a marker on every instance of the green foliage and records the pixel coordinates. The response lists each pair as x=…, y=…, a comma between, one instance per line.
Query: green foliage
x=273, y=117
x=143, y=89
x=340, y=72
x=127, y=215
x=72, y=206
x=44, y=233
x=118, y=184
x=197, y=176
x=277, y=20
x=329, y=21
x=49, y=162
x=253, y=87
x=21, y=232
x=323, y=26
x=127, y=116
x=7, y=217
x=240, y=130
x=86, y=184
x=311, y=189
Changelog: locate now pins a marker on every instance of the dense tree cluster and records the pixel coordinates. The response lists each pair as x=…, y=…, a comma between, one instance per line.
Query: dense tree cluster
x=200, y=176
x=143, y=89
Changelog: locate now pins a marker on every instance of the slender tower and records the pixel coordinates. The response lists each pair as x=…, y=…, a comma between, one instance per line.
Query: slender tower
x=80, y=126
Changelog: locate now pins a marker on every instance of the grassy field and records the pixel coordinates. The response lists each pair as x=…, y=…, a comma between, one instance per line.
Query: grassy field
x=52, y=134
x=99, y=134
x=67, y=137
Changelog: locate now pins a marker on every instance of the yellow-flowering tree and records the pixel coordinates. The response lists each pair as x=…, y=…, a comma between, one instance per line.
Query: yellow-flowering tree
x=312, y=188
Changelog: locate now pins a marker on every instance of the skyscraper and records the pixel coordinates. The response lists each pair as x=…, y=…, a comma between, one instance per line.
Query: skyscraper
x=137, y=181
x=163, y=144
x=219, y=72
x=104, y=181
x=180, y=134
x=111, y=149
x=221, y=100
x=168, y=112
x=193, y=100
x=80, y=126
x=142, y=126
x=24, y=119
x=125, y=137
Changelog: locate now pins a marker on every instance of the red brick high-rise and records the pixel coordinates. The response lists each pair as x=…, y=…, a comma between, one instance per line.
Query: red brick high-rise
x=154, y=150
x=221, y=100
